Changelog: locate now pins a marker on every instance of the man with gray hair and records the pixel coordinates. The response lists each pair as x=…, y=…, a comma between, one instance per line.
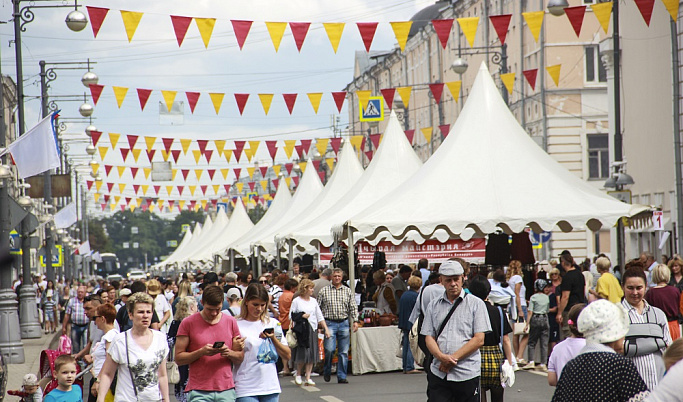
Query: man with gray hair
x=649, y=263
x=231, y=282
x=321, y=282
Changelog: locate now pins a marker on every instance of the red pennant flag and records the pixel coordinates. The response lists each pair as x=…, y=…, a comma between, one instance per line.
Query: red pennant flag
x=202, y=145
x=374, y=138
x=362, y=144
x=180, y=26
x=211, y=173
x=501, y=23
x=306, y=144
x=96, y=15
x=192, y=98
x=645, y=7
x=368, y=154
x=316, y=164
x=299, y=31
x=144, y=207
x=276, y=182
x=339, y=98
x=207, y=154
x=123, y=208
x=530, y=76
x=95, y=92
x=290, y=99
x=134, y=171
x=143, y=96
x=156, y=189
x=336, y=144
x=251, y=185
x=171, y=203
x=410, y=134
x=180, y=189
x=193, y=204
x=239, y=146
x=110, y=186
x=128, y=199
x=103, y=206
x=185, y=172
x=295, y=179
x=237, y=173
x=299, y=151
x=89, y=183
x=322, y=175
x=150, y=154
x=575, y=16
x=256, y=198
x=388, y=95
x=241, y=29
x=107, y=169
x=264, y=171
x=132, y=139
x=288, y=167
x=214, y=202
x=445, y=129
x=106, y=198
x=124, y=153
x=203, y=188
x=95, y=135
x=272, y=148
x=443, y=30
x=367, y=33
x=227, y=188
x=241, y=100
x=149, y=201
x=437, y=90
x=136, y=187
x=176, y=154
x=167, y=144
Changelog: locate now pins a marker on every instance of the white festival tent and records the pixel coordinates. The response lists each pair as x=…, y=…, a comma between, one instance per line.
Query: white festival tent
x=277, y=209
x=393, y=163
x=205, y=250
x=489, y=173
x=309, y=188
x=239, y=225
x=180, y=251
x=197, y=241
x=187, y=238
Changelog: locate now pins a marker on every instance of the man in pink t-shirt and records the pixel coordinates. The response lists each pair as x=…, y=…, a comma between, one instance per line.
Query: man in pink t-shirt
x=210, y=368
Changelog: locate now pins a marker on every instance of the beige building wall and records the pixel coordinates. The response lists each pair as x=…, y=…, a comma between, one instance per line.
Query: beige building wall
x=559, y=118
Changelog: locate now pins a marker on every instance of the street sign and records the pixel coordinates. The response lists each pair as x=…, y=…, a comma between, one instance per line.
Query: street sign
x=16, y=213
x=623, y=195
x=537, y=239
x=57, y=256
x=14, y=243
x=171, y=243
x=373, y=111
x=184, y=227
x=658, y=220
x=223, y=205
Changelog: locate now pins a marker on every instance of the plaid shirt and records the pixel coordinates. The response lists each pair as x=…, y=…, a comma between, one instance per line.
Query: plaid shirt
x=77, y=312
x=338, y=304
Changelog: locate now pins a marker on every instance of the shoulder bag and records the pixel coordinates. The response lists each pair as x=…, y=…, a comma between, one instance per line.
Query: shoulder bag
x=132, y=377
x=172, y=368
x=291, y=338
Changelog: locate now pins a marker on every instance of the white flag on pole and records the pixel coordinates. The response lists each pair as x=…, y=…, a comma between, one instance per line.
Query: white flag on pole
x=36, y=151
x=84, y=249
x=66, y=216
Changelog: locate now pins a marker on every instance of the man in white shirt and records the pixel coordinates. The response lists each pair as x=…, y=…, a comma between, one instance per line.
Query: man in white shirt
x=649, y=262
x=18, y=282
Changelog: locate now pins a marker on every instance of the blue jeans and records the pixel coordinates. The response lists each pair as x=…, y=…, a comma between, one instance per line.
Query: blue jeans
x=408, y=361
x=259, y=398
x=341, y=337
x=78, y=339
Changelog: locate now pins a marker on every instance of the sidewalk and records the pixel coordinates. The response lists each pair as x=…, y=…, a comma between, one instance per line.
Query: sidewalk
x=32, y=349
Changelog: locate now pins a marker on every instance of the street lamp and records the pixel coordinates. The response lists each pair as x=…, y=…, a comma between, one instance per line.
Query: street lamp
x=76, y=21
x=459, y=66
x=556, y=7
x=89, y=130
x=618, y=181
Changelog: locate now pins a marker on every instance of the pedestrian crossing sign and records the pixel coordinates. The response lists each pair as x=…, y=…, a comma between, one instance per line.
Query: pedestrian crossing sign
x=373, y=111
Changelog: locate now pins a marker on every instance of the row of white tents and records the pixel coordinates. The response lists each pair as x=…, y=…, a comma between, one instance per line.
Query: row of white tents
x=487, y=174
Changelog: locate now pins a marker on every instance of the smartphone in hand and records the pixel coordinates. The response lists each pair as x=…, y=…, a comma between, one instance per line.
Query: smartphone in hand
x=269, y=331
x=218, y=344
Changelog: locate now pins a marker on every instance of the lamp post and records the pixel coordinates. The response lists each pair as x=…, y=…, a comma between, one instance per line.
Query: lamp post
x=499, y=58
x=619, y=181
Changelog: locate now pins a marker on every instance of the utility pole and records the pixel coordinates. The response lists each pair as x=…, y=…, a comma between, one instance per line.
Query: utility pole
x=47, y=188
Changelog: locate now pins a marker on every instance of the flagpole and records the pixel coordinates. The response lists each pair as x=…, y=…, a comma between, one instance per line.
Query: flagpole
x=47, y=187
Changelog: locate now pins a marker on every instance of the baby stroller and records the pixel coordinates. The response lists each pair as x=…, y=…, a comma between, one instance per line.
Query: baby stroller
x=47, y=366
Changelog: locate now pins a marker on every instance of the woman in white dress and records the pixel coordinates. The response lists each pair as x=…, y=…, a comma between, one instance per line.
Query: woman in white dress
x=161, y=305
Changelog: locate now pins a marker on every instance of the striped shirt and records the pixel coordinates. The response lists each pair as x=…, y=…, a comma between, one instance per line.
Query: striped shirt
x=338, y=303
x=650, y=367
x=77, y=312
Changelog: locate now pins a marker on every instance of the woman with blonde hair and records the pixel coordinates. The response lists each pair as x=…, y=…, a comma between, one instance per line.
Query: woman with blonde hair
x=161, y=306
x=184, y=289
x=514, y=278
x=666, y=298
x=185, y=307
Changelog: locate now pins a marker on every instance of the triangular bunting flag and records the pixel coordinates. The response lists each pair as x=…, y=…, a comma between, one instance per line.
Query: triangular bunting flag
x=225, y=172
x=509, y=81
x=443, y=30
x=120, y=94
x=334, y=32
x=180, y=26
x=220, y=145
x=367, y=33
x=239, y=146
x=211, y=173
x=363, y=98
x=185, y=144
x=217, y=100
x=469, y=28
x=575, y=16
x=253, y=145
x=169, y=97
x=263, y=170
x=228, y=154
x=501, y=23
x=198, y=173
x=288, y=168
x=315, y=100
x=207, y=155
x=114, y=139
x=241, y=29
x=95, y=136
x=121, y=170
x=335, y=143
x=671, y=7
x=197, y=155
x=437, y=90
x=316, y=165
x=330, y=163
x=176, y=155
x=241, y=100
x=132, y=140
x=264, y=184
x=95, y=92
x=410, y=134
x=276, y=31
x=205, y=26
x=192, y=98
x=290, y=99
x=289, y=148
x=339, y=98
x=227, y=188
x=454, y=89
x=185, y=172
x=300, y=151
x=107, y=169
x=266, y=100
x=299, y=31
x=150, y=154
x=554, y=72
x=534, y=20
x=404, y=93
x=303, y=166
x=356, y=141
x=445, y=129
x=97, y=15
x=306, y=145
x=427, y=132
x=136, y=154
x=131, y=20
x=645, y=7
x=124, y=153
x=374, y=138
x=321, y=145
x=149, y=141
x=401, y=31
x=603, y=12
x=250, y=171
x=530, y=76
x=148, y=171
x=272, y=148
x=143, y=96
x=276, y=169
x=167, y=143
x=388, y=95
x=103, y=152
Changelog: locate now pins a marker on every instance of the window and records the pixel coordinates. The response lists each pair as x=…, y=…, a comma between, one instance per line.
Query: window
x=595, y=70
x=598, y=156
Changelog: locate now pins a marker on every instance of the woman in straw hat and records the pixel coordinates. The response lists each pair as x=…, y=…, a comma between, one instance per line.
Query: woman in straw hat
x=161, y=305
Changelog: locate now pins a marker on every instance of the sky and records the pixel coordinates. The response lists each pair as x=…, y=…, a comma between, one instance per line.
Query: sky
x=154, y=61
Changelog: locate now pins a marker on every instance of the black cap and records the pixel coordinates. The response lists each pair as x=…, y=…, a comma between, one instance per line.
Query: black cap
x=209, y=279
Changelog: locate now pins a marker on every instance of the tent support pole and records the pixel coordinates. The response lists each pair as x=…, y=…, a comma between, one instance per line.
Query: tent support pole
x=277, y=256
x=352, y=281
x=291, y=254
x=257, y=254
x=231, y=256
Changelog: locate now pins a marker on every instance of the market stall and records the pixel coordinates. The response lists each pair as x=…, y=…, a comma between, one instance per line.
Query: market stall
x=375, y=350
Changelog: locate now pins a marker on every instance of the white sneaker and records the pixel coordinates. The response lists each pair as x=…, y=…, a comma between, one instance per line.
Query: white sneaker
x=297, y=380
x=309, y=382
x=529, y=366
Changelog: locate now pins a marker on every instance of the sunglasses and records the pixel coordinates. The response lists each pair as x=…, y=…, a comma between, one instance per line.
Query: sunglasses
x=263, y=281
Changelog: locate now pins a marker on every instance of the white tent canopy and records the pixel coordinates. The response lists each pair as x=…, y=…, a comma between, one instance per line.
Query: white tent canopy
x=393, y=163
x=205, y=250
x=181, y=252
x=187, y=238
x=489, y=173
x=198, y=241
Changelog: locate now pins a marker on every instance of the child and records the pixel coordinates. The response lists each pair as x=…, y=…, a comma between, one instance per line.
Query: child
x=539, y=305
x=65, y=373
x=567, y=349
x=49, y=306
x=30, y=391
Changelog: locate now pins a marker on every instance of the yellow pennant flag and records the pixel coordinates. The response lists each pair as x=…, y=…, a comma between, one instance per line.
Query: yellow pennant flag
x=185, y=144
x=427, y=132
x=276, y=169
x=454, y=88
x=144, y=188
x=363, y=98
x=95, y=166
x=246, y=200
x=103, y=152
x=251, y=170
x=228, y=154
x=534, y=20
x=149, y=141
x=240, y=186
x=147, y=172
x=289, y=148
x=198, y=173
x=288, y=180
x=216, y=188
x=671, y=7
x=321, y=145
x=112, y=207
x=169, y=190
x=266, y=100
x=249, y=153
x=401, y=30
x=136, y=154
x=220, y=145
x=330, y=163
x=334, y=32
x=121, y=170
x=122, y=187
x=276, y=31
x=97, y=197
x=114, y=139
x=174, y=173
x=264, y=184
x=151, y=207
x=192, y=189
x=197, y=155
x=169, y=97
x=315, y=100
x=205, y=26
x=509, y=81
x=225, y=172
x=120, y=94
x=253, y=145
x=204, y=202
x=98, y=185
x=131, y=20
x=356, y=141
x=181, y=204
x=404, y=93
x=603, y=12
x=117, y=199
x=469, y=28
x=217, y=100
x=165, y=155
x=554, y=72
x=302, y=166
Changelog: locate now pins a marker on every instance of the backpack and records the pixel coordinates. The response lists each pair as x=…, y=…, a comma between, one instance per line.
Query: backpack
x=64, y=344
